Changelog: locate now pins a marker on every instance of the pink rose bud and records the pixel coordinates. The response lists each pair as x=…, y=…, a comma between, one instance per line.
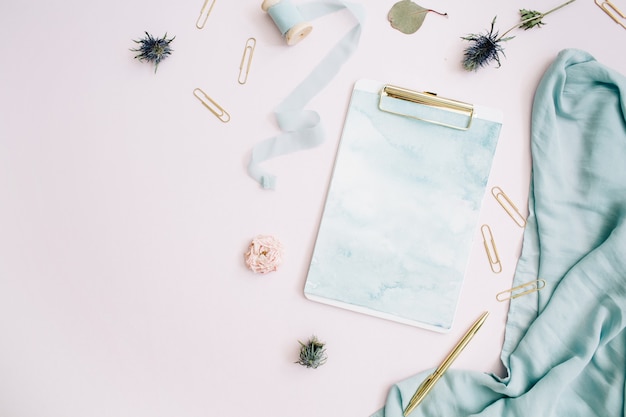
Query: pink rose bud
x=264, y=254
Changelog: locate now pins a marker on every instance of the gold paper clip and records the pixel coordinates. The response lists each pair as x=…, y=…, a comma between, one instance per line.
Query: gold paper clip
x=246, y=60
x=490, y=248
x=508, y=206
x=609, y=8
x=466, y=110
x=210, y=104
x=204, y=13
x=520, y=290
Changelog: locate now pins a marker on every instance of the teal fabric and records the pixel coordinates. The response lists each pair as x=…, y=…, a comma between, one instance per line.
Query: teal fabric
x=564, y=348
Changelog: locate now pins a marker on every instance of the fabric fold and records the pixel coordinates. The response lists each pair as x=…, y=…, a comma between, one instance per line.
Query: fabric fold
x=565, y=346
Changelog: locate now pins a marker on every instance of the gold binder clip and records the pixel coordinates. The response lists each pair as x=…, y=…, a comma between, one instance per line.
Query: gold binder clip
x=508, y=206
x=246, y=60
x=204, y=13
x=490, y=248
x=520, y=290
x=210, y=104
x=465, y=110
x=609, y=8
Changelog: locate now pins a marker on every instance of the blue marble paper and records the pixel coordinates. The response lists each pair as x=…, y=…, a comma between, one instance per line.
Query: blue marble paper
x=400, y=214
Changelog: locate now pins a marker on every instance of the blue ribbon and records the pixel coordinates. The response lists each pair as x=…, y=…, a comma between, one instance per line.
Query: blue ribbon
x=301, y=128
x=284, y=15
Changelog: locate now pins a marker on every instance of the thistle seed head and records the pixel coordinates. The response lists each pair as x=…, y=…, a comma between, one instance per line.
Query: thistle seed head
x=483, y=49
x=153, y=50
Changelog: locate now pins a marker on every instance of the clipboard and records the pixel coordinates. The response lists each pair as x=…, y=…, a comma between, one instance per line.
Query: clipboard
x=403, y=205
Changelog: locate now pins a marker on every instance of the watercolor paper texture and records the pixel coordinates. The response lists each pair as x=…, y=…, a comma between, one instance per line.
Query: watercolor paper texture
x=401, y=212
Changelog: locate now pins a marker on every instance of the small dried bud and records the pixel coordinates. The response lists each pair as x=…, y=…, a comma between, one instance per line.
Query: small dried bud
x=312, y=353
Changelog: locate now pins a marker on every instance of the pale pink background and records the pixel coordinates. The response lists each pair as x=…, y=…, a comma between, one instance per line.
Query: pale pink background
x=125, y=207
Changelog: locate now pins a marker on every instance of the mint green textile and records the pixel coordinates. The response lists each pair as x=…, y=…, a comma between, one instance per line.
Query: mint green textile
x=565, y=346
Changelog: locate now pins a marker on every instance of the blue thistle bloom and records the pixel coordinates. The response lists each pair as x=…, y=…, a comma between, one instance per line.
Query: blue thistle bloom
x=486, y=48
x=153, y=49
x=483, y=49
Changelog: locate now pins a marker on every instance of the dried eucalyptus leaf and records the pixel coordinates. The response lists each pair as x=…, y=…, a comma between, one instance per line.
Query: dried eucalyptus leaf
x=407, y=16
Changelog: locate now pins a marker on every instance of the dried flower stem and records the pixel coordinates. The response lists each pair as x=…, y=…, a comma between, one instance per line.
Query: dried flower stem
x=439, y=13
x=486, y=47
x=534, y=18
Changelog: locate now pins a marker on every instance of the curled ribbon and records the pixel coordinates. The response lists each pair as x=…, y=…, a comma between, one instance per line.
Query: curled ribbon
x=301, y=129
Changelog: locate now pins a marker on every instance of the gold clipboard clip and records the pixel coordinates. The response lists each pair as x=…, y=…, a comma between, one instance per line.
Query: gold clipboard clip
x=490, y=248
x=430, y=100
x=204, y=13
x=609, y=8
x=521, y=290
x=508, y=206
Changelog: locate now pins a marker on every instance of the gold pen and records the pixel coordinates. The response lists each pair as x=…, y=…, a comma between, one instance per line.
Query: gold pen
x=427, y=385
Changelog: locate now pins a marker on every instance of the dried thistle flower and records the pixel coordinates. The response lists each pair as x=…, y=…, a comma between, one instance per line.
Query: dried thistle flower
x=483, y=49
x=486, y=48
x=153, y=49
x=312, y=353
